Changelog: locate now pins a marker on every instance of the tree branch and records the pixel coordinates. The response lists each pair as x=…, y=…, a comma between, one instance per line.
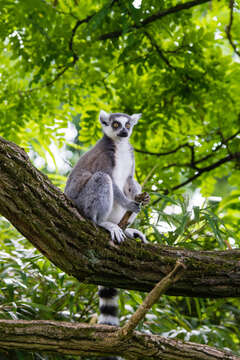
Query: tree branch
x=230, y=157
x=223, y=142
x=194, y=162
x=200, y=171
x=161, y=287
x=160, y=14
x=161, y=153
x=47, y=218
x=66, y=338
x=114, y=34
x=229, y=27
x=159, y=51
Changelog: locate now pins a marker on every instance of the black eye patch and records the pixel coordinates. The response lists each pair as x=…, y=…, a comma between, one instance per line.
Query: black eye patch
x=116, y=125
x=128, y=125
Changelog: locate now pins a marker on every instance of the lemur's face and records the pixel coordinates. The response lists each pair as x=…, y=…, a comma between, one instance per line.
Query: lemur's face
x=118, y=126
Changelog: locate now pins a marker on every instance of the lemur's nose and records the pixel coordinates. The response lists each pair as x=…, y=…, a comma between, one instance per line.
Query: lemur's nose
x=123, y=133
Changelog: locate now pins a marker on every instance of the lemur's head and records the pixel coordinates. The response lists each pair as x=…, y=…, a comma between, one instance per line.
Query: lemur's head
x=117, y=125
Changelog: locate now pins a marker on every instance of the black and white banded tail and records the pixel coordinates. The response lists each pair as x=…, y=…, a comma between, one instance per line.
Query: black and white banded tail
x=108, y=305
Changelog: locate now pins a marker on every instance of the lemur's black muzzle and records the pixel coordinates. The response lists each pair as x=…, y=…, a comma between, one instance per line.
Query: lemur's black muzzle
x=123, y=133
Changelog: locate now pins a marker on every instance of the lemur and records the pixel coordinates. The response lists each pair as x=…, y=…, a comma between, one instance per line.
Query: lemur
x=103, y=188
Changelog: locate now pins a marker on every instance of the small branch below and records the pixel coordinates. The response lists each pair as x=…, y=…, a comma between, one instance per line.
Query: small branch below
x=151, y=299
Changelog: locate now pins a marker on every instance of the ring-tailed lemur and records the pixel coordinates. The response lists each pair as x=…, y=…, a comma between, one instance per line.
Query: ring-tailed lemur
x=103, y=188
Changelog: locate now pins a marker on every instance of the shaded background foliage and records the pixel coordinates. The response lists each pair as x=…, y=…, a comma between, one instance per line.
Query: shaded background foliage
x=178, y=64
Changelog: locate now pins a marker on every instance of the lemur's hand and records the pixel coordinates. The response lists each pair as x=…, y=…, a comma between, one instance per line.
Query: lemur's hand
x=133, y=206
x=143, y=198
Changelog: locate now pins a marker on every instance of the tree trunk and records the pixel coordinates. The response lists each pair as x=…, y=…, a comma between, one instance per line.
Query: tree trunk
x=47, y=218
x=82, y=339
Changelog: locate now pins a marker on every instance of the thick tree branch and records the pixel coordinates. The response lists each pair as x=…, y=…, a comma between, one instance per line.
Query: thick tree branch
x=87, y=340
x=44, y=215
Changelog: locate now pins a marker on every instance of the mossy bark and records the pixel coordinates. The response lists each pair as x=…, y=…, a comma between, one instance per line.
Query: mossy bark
x=90, y=340
x=47, y=218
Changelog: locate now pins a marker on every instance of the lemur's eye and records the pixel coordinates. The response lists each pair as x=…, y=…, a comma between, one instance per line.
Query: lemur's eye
x=127, y=125
x=116, y=124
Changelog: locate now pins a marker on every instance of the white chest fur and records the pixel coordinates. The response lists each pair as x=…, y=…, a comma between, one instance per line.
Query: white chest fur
x=123, y=163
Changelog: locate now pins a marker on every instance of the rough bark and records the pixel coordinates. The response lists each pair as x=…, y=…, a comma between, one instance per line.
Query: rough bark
x=82, y=339
x=44, y=215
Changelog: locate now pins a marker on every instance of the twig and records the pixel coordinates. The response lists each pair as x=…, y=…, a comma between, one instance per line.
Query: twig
x=159, y=51
x=213, y=166
x=162, y=153
x=149, y=175
x=229, y=26
x=151, y=299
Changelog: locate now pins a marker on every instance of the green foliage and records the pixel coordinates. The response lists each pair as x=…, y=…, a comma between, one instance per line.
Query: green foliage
x=63, y=61
x=32, y=288
x=188, y=226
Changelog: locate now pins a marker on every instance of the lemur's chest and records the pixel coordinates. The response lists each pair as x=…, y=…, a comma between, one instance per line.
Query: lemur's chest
x=123, y=164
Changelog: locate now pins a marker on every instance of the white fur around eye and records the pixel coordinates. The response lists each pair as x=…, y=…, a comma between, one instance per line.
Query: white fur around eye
x=122, y=120
x=108, y=130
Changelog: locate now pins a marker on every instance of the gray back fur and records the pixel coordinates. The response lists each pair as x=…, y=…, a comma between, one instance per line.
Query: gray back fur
x=100, y=158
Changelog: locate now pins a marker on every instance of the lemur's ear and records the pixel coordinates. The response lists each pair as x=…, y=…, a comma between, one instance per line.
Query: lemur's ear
x=104, y=117
x=135, y=118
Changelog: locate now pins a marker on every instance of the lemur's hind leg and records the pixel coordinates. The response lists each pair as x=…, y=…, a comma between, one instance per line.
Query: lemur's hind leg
x=95, y=201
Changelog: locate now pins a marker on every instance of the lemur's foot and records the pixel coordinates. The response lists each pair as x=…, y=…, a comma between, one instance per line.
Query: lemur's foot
x=117, y=234
x=133, y=234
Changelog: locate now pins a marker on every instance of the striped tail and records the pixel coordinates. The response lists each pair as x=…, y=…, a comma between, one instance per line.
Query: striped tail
x=108, y=304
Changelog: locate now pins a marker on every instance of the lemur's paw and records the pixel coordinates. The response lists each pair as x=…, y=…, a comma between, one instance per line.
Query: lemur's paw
x=133, y=234
x=117, y=234
x=142, y=198
x=133, y=206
